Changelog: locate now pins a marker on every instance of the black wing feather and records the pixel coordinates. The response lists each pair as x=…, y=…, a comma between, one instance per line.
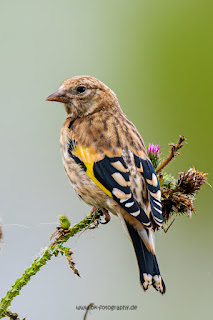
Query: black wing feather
x=103, y=171
x=154, y=190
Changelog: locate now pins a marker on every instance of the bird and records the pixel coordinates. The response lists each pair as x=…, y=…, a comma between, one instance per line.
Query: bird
x=106, y=161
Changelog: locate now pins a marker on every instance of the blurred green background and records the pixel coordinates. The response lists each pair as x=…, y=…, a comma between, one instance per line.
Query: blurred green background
x=157, y=57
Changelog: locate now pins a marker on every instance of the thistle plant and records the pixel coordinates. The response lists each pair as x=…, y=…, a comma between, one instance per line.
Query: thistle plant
x=177, y=195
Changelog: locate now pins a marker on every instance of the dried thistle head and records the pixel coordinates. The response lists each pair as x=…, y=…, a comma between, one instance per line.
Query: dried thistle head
x=178, y=198
x=191, y=181
x=175, y=203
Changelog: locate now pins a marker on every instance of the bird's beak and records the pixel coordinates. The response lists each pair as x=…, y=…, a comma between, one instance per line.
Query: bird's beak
x=59, y=96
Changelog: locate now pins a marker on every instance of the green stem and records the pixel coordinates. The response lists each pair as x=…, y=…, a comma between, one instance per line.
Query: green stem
x=52, y=249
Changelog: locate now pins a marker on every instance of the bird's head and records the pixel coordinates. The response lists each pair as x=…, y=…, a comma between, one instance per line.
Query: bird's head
x=83, y=95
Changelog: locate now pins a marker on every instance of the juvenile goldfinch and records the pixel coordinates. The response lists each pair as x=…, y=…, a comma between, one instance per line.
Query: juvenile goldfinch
x=107, y=163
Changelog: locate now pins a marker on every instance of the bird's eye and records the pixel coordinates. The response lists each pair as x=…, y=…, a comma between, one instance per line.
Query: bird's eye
x=81, y=89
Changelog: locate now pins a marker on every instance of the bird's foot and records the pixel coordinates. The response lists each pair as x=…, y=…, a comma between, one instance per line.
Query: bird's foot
x=107, y=216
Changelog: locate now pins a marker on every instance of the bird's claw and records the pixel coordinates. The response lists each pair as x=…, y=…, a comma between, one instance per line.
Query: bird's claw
x=106, y=215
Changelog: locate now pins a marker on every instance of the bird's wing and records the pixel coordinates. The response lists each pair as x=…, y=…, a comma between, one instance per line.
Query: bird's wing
x=111, y=175
x=144, y=165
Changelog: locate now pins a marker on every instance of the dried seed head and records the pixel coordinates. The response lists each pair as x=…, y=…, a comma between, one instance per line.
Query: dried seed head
x=179, y=198
x=191, y=181
x=175, y=202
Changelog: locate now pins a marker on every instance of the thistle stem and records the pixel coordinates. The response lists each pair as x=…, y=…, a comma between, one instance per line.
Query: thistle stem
x=87, y=310
x=61, y=236
x=12, y=315
x=172, y=155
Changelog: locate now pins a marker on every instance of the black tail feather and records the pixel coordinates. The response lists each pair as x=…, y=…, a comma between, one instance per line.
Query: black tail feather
x=158, y=282
x=147, y=262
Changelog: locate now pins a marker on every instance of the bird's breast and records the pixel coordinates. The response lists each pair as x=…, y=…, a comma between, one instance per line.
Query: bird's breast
x=75, y=169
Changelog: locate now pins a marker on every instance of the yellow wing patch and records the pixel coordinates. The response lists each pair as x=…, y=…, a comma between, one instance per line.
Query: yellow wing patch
x=88, y=158
x=90, y=173
x=87, y=155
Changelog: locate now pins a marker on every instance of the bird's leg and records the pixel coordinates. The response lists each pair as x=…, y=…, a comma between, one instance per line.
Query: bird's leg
x=94, y=209
x=107, y=216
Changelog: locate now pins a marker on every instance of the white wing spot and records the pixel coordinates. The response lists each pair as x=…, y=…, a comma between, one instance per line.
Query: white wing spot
x=135, y=214
x=123, y=200
x=146, y=224
x=154, y=180
x=149, y=181
x=129, y=204
x=120, y=179
x=118, y=165
x=157, y=202
x=157, y=209
x=120, y=194
x=156, y=195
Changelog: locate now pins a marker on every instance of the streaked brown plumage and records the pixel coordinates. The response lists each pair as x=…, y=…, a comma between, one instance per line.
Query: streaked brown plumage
x=106, y=161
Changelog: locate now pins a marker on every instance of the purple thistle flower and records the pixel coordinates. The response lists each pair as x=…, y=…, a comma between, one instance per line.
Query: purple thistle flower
x=153, y=150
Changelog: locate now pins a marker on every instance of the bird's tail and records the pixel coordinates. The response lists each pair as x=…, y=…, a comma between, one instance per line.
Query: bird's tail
x=147, y=262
